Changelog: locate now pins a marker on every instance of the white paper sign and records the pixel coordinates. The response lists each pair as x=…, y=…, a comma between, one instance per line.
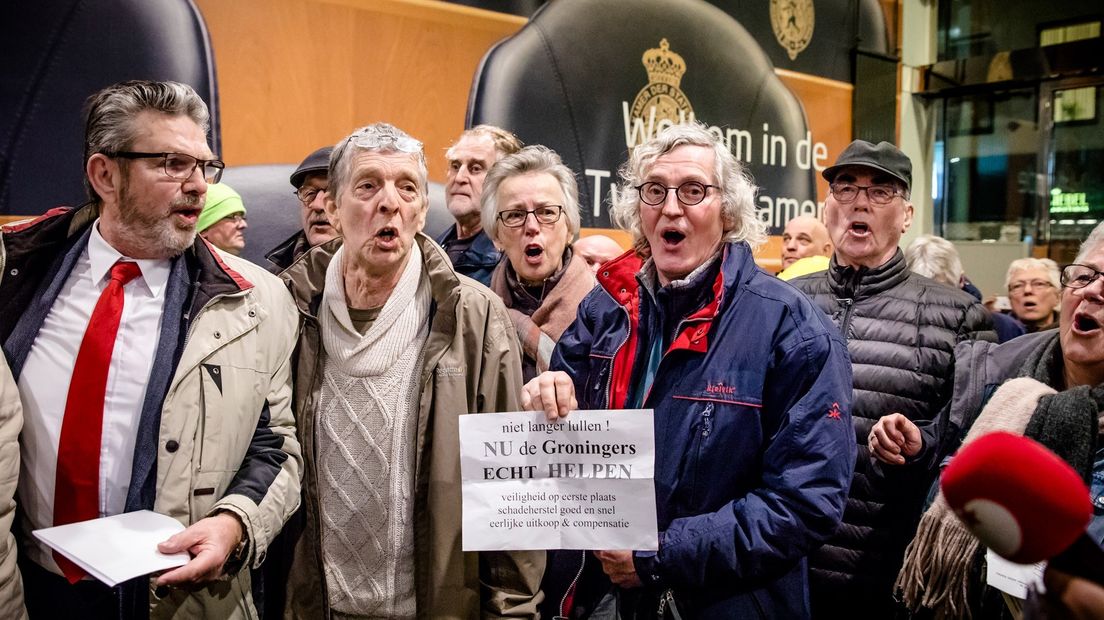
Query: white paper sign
x=583, y=482
x=1010, y=577
x=117, y=548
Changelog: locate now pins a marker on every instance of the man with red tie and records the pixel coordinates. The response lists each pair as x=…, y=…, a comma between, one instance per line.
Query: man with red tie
x=152, y=369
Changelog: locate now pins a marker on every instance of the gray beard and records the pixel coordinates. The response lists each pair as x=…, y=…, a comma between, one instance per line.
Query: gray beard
x=155, y=236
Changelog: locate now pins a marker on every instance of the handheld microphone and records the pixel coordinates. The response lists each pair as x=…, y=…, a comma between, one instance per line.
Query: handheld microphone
x=1023, y=502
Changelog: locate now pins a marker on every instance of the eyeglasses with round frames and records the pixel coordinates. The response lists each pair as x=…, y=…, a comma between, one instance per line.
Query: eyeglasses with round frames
x=1019, y=287
x=178, y=166
x=1079, y=276
x=306, y=195
x=689, y=193
x=846, y=193
x=515, y=218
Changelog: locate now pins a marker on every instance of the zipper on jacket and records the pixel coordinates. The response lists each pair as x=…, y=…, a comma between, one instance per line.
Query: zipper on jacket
x=570, y=589
x=845, y=320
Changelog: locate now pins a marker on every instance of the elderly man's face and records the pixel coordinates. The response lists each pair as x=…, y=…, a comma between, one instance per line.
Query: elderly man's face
x=379, y=210
x=866, y=234
x=469, y=160
x=1081, y=323
x=228, y=234
x=535, y=249
x=597, y=249
x=312, y=212
x=153, y=215
x=804, y=236
x=682, y=237
x=1034, y=298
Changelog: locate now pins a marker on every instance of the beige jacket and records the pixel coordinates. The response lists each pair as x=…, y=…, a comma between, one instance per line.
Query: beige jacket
x=226, y=439
x=471, y=364
x=228, y=408
x=11, y=422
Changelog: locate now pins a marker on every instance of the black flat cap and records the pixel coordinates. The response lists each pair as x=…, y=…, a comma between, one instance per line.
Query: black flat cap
x=318, y=161
x=884, y=157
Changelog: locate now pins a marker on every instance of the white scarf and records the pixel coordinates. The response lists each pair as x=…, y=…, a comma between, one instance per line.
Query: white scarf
x=401, y=324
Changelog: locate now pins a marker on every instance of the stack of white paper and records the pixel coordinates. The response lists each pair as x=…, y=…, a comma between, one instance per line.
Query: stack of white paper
x=115, y=549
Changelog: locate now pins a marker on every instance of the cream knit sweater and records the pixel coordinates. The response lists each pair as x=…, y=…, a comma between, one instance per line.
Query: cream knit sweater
x=367, y=417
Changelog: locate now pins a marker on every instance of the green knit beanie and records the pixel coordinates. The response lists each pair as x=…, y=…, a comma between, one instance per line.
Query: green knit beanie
x=222, y=201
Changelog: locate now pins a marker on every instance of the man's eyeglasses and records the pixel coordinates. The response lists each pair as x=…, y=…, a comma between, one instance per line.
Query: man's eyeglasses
x=689, y=193
x=515, y=218
x=178, y=166
x=1018, y=287
x=1079, y=276
x=846, y=193
x=306, y=195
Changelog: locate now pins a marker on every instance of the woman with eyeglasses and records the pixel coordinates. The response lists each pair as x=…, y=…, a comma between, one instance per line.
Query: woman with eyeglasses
x=1048, y=386
x=530, y=209
x=750, y=387
x=1033, y=286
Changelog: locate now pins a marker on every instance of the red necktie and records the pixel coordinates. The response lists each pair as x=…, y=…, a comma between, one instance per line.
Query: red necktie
x=76, y=485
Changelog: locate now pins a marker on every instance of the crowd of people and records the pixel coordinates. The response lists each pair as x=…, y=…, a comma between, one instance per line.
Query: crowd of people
x=301, y=420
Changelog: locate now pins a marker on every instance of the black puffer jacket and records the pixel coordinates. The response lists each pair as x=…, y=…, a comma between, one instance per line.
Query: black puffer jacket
x=901, y=330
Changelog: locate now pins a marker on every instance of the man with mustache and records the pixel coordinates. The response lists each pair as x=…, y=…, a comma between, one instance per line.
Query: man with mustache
x=469, y=248
x=901, y=329
x=310, y=180
x=153, y=371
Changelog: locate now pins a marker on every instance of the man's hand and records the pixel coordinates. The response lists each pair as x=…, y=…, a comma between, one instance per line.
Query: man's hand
x=893, y=438
x=552, y=392
x=618, y=565
x=210, y=542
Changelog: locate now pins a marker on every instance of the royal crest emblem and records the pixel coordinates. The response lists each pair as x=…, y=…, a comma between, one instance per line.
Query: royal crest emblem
x=792, y=22
x=665, y=70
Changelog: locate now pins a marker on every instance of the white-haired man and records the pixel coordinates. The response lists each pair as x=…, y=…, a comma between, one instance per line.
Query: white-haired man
x=469, y=248
x=901, y=331
x=395, y=346
x=750, y=385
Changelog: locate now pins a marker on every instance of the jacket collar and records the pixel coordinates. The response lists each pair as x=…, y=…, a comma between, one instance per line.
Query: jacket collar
x=855, y=283
x=618, y=278
x=289, y=249
x=306, y=277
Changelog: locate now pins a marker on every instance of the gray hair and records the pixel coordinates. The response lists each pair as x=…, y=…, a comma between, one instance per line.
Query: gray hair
x=535, y=159
x=110, y=113
x=1091, y=243
x=1051, y=267
x=379, y=138
x=936, y=258
x=738, y=214
x=505, y=142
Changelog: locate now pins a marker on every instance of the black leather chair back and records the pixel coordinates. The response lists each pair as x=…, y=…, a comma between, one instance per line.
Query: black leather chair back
x=58, y=52
x=568, y=78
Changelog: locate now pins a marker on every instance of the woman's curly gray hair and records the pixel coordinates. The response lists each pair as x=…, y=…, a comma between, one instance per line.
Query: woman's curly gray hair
x=740, y=220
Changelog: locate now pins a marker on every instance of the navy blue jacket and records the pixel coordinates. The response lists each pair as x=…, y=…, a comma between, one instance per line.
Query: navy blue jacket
x=754, y=445
x=479, y=261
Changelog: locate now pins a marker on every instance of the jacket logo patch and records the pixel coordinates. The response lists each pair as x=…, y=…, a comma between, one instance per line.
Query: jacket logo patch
x=719, y=388
x=834, y=411
x=450, y=371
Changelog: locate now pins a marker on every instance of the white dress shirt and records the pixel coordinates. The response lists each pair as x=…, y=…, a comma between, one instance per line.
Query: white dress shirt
x=44, y=384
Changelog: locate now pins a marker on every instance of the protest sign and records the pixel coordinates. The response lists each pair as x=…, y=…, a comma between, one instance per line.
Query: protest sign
x=583, y=482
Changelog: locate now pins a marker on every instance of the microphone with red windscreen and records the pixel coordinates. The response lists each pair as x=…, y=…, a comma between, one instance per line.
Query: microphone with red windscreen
x=1024, y=502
